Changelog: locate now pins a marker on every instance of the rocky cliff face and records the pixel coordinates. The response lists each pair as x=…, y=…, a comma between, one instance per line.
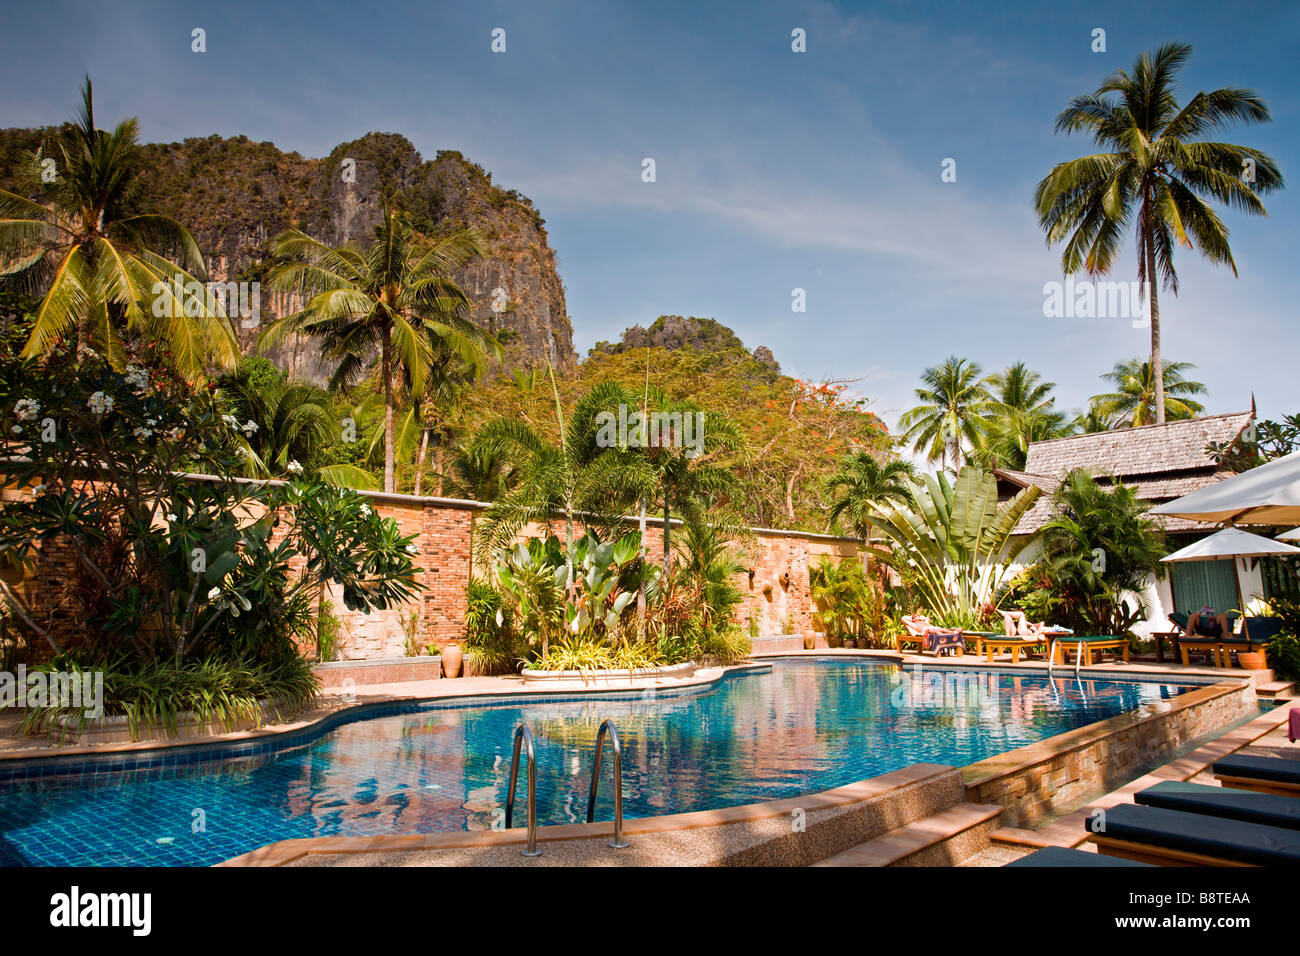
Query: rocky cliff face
x=236, y=195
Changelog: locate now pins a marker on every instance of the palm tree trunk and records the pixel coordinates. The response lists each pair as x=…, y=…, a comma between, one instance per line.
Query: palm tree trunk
x=667, y=544
x=420, y=458
x=386, y=370
x=640, y=589
x=1157, y=363
x=320, y=618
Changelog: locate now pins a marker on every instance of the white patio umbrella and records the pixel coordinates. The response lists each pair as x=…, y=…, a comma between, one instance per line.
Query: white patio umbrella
x=1269, y=494
x=1231, y=543
x=1292, y=535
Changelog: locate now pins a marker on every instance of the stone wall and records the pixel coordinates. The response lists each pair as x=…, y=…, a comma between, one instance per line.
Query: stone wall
x=776, y=594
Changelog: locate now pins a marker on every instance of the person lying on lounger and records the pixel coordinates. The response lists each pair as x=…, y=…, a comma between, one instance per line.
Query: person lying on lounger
x=1018, y=626
x=920, y=626
x=1207, y=622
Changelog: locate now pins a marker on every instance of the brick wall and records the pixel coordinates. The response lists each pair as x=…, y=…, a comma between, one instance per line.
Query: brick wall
x=775, y=595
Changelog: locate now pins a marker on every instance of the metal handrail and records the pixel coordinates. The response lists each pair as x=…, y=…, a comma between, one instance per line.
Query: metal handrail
x=618, y=842
x=524, y=735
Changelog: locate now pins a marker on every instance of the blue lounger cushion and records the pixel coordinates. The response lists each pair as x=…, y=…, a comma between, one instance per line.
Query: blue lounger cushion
x=1266, y=808
x=1195, y=833
x=1280, y=769
x=1062, y=856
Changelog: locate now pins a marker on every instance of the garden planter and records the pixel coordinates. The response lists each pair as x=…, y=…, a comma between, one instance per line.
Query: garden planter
x=1251, y=660
x=809, y=642
x=451, y=660
x=851, y=642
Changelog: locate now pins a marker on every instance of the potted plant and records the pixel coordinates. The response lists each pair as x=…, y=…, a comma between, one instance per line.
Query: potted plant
x=1251, y=660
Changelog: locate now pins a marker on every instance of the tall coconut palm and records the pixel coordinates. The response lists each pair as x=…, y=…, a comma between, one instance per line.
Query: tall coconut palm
x=1134, y=400
x=388, y=296
x=1154, y=175
x=103, y=273
x=954, y=404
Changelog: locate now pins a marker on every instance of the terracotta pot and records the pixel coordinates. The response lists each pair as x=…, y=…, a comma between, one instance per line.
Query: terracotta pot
x=850, y=642
x=1252, y=660
x=809, y=643
x=451, y=660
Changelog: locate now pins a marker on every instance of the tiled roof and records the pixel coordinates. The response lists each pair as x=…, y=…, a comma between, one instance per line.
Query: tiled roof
x=1160, y=462
x=1149, y=449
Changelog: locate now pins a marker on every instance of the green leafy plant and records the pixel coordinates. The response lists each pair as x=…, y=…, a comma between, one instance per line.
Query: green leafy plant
x=953, y=541
x=1099, y=550
x=191, y=694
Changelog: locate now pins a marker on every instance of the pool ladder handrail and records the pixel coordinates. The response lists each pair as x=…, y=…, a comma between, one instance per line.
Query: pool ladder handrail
x=618, y=843
x=1051, y=657
x=525, y=736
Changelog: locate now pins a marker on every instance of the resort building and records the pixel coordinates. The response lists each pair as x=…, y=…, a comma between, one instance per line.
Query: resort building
x=1161, y=462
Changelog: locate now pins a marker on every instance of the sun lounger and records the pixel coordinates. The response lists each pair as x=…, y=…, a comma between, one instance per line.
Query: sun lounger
x=1266, y=808
x=1063, y=856
x=1093, y=643
x=1280, y=775
x=997, y=645
x=1178, y=838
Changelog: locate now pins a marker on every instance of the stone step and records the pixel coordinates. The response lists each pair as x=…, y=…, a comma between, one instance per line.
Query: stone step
x=943, y=839
x=1275, y=688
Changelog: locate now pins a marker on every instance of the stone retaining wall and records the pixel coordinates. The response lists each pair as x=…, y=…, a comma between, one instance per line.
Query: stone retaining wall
x=1056, y=775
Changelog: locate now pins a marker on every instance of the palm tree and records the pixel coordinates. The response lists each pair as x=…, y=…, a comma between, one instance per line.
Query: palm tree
x=1133, y=402
x=1095, y=419
x=391, y=295
x=280, y=423
x=102, y=273
x=475, y=472
x=1023, y=412
x=546, y=478
x=954, y=403
x=1153, y=176
x=669, y=474
x=1095, y=519
x=860, y=485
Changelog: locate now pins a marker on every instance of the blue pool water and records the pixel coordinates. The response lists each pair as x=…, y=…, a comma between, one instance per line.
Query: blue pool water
x=799, y=727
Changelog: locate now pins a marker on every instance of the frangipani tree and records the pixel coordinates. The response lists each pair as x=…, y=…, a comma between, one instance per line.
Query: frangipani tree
x=954, y=539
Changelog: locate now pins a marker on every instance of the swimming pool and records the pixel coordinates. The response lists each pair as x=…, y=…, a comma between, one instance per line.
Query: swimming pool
x=800, y=726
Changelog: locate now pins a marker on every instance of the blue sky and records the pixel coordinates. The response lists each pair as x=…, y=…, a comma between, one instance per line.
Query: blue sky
x=775, y=170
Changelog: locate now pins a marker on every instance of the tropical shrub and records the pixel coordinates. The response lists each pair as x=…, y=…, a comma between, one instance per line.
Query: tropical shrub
x=1097, y=555
x=191, y=693
x=952, y=540
x=490, y=632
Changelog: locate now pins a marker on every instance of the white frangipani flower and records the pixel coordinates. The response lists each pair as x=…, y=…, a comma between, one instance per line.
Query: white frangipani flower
x=26, y=409
x=214, y=594
x=99, y=403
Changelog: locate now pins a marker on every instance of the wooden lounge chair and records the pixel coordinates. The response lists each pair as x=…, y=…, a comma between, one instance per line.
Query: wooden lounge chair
x=1209, y=644
x=1063, y=856
x=927, y=637
x=1178, y=838
x=1245, y=805
x=998, y=644
x=1092, y=643
x=1278, y=775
